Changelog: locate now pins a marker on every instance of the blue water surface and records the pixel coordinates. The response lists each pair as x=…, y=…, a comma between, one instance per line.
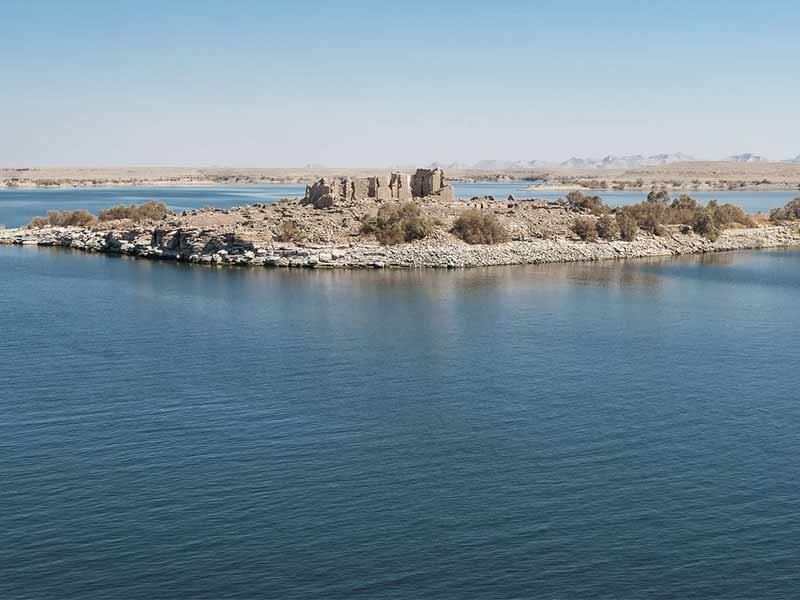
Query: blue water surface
x=606, y=430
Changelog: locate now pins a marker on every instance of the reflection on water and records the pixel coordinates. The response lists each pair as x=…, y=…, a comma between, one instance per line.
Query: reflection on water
x=644, y=274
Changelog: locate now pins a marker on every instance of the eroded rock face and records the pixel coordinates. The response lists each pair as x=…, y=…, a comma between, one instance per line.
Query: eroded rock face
x=328, y=191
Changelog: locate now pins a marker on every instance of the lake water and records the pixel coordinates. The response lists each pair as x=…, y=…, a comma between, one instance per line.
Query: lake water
x=599, y=431
x=18, y=206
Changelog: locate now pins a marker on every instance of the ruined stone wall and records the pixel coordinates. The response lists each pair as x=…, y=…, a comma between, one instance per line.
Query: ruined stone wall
x=427, y=182
x=431, y=183
x=397, y=186
x=400, y=187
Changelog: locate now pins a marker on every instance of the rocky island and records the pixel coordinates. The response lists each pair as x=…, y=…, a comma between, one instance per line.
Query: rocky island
x=402, y=220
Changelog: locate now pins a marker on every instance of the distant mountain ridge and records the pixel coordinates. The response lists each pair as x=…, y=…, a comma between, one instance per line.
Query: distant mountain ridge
x=746, y=158
x=607, y=162
x=493, y=165
x=627, y=162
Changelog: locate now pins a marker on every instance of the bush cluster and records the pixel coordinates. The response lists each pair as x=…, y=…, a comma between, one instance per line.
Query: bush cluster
x=66, y=218
x=726, y=215
x=398, y=223
x=578, y=201
x=608, y=227
x=790, y=212
x=83, y=218
x=585, y=228
x=136, y=212
x=475, y=226
x=704, y=224
x=628, y=227
x=657, y=211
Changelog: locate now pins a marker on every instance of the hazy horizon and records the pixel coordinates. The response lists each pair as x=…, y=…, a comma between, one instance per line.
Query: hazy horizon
x=396, y=165
x=358, y=84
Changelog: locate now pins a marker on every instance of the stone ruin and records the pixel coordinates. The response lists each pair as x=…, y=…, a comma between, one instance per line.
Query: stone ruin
x=425, y=183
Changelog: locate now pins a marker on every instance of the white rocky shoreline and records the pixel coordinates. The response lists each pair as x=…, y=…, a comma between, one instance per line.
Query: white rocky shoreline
x=180, y=245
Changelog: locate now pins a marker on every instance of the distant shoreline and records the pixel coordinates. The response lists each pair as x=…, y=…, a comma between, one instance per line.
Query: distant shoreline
x=683, y=177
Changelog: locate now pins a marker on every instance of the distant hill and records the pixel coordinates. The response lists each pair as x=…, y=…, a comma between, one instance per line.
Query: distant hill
x=626, y=162
x=609, y=162
x=453, y=166
x=746, y=158
x=580, y=163
x=507, y=165
x=492, y=165
x=667, y=159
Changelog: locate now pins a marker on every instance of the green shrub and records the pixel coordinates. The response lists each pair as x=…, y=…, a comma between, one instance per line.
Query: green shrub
x=136, y=212
x=660, y=196
x=685, y=201
x=681, y=211
x=655, y=212
x=67, y=218
x=417, y=228
x=729, y=214
x=576, y=200
x=649, y=215
x=585, y=228
x=628, y=227
x=652, y=224
x=790, y=212
x=398, y=223
x=477, y=227
x=607, y=227
x=705, y=225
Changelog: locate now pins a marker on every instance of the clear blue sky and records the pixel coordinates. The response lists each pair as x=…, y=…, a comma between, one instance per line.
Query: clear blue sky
x=264, y=83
